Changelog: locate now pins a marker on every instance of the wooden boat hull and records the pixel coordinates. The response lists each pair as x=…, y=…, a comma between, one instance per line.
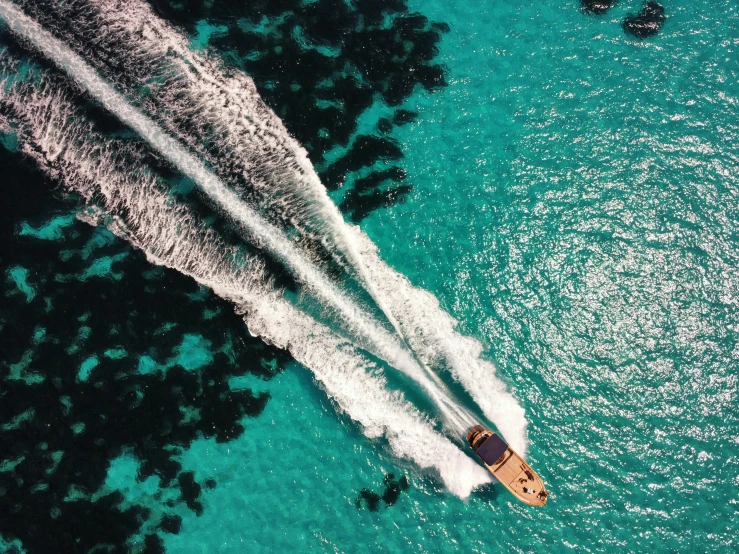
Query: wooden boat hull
x=507, y=466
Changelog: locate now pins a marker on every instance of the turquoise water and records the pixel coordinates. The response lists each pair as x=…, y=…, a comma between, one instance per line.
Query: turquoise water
x=574, y=208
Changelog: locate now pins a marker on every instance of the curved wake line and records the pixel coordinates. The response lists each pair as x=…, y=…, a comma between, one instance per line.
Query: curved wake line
x=201, y=103
x=132, y=15
x=138, y=207
x=373, y=337
x=243, y=113
x=290, y=172
x=428, y=331
x=432, y=333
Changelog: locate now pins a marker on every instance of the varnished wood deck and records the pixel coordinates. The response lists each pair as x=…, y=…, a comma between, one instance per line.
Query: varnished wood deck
x=515, y=474
x=518, y=477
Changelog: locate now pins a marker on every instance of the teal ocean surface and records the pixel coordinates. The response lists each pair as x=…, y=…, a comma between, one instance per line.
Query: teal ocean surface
x=568, y=192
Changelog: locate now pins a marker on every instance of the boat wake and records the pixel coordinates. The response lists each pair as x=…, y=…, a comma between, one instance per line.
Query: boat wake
x=212, y=126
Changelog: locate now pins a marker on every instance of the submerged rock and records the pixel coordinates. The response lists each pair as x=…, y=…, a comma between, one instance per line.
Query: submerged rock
x=393, y=488
x=402, y=117
x=375, y=190
x=385, y=125
x=598, y=7
x=153, y=544
x=647, y=22
x=371, y=499
x=171, y=524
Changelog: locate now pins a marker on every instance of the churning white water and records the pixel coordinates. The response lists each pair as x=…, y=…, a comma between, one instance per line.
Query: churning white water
x=224, y=109
x=135, y=204
x=372, y=336
x=199, y=103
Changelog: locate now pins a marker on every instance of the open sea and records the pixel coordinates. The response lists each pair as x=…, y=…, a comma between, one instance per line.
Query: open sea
x=264, y=262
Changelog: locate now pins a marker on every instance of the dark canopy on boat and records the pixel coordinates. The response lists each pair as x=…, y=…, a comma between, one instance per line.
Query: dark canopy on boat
x=492, y=449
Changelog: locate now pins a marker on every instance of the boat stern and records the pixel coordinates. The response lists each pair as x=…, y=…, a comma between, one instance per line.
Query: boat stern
x=474, y=434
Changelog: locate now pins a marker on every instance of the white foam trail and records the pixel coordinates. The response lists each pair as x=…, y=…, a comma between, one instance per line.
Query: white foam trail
x=230, y=103
x=225, y=108
x=138, y=207
x=372, y=337
x=432, y=335
x=207, y=82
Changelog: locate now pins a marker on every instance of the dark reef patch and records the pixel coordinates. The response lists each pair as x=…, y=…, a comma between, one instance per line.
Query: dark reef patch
x=647, y=23
x=210, y=484
x=403, y=117
x=384, y=125
x=321, y=64
x=366, y=195
x=393, y=489
x=371, y=500
x=364, y=152
x=103, y=355
x=597, y=7
x=190, y=491
x=153, y=544
x=171, y=524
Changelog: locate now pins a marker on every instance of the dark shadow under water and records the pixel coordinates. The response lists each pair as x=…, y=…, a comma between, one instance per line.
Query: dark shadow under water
x=73, y=395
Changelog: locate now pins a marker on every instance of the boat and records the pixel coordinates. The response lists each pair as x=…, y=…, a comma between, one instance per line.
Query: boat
x=507, y=466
